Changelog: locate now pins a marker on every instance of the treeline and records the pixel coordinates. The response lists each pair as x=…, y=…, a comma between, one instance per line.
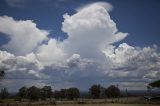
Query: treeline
x=98, y=91
x=34, y=93
x=71, y=93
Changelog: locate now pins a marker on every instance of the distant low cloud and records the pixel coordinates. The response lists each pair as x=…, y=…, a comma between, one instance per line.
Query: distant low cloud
x=134, y=62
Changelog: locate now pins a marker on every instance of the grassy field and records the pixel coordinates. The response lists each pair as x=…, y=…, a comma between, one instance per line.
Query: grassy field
x=109, y=105
x=106, y=104
x=132, y=101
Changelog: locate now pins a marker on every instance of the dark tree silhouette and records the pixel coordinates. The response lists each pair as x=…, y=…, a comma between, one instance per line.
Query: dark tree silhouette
x=2, y=73
x=23, y=92
x=57, y=94
x=46, y=92
x=4, y=93
x=63, y=93
x=33, y=93
x=155, y=84
x=112, y=91
x=95, y=91
x=72, y=93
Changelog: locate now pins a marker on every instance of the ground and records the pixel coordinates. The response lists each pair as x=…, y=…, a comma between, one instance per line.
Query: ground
x=110, y=105
x=132, y=101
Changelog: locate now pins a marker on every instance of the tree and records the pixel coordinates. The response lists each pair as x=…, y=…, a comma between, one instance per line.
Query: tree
x=63, y=93
x=4, y=93
x=57, y=94
x=33, y=93
x=95, y=91
x=72, y=93
x=46, y=92
x=23, y=92
x=2, y=73
x=112, y=91
x=155, y=84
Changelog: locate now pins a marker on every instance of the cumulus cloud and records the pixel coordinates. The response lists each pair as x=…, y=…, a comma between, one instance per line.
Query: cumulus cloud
x=50, y=53
x=4, y=55
x=86, y=57
x=121, y=54
x=20, y=66
x=89, y=30
x=23, y=36
x=134, y=62
x=75, y=61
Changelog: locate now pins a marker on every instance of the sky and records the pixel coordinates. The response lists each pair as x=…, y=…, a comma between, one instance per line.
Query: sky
x=77, y=43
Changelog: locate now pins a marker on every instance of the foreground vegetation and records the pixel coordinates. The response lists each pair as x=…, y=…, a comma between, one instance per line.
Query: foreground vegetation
x=131, y=101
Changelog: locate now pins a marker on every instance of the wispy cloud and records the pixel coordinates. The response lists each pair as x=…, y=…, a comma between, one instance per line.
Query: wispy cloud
x=24, y=3
x=106, y=5
x=16, y=3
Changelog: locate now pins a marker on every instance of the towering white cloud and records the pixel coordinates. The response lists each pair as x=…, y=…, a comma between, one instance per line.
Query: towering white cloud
x=90, y=29
x=23, y=36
